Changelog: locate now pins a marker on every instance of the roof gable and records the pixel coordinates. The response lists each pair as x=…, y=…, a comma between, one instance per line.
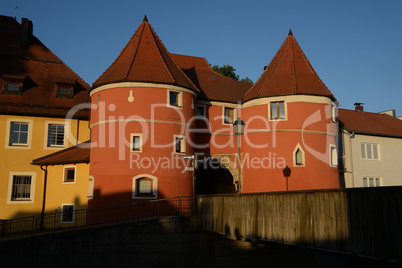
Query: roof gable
x=288, y=73
x=39, y=70
x=145, y=59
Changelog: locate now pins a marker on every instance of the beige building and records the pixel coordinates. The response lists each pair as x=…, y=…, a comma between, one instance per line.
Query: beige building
x=370, y=146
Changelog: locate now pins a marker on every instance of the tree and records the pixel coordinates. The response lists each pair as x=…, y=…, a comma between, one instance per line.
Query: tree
x=229, y=71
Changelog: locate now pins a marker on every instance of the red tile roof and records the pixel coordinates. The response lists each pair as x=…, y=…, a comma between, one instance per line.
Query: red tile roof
x=145, y=59
x=288, y=73
x=370, y=123
x=72, y=155
x=213, y=86
x=40, y=70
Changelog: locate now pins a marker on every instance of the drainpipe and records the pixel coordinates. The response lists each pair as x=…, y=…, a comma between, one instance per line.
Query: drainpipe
x=44, y=195
x=78, y=132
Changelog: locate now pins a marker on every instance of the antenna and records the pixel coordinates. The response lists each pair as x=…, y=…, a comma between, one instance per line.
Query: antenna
x=15, y=11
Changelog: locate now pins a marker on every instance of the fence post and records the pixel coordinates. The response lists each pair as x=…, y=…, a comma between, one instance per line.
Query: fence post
x=181, y=205
x=36, y=225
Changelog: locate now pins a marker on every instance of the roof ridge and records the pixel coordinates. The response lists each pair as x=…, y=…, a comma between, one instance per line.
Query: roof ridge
x=136, y=50
x=292, y=58
x=275, y=61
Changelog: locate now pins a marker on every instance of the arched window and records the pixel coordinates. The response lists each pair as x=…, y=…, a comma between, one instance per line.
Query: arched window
x=145, y=186
x=298, y=156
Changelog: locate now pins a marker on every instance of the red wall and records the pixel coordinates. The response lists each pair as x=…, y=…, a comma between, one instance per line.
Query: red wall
x=113, y=165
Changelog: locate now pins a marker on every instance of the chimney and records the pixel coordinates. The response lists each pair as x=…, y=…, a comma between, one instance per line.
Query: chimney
x=359, y=107
x=26, y=31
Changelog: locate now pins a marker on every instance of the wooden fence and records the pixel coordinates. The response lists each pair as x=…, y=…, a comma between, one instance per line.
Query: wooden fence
x=365, y=221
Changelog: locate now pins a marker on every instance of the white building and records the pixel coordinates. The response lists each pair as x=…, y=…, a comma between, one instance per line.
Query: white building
x=370, y=148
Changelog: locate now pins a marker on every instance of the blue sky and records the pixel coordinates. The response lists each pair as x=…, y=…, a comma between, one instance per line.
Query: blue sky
x=354, y=46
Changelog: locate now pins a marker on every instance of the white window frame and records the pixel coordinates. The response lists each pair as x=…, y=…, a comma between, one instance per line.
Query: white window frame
x=64, y=174
x=333, y=155
x=10, y=187
x=179, y=99
x=372, y=151
x=154, y=187
x=298, y=147
x=131, y=142
x=66, y=130
x=91, y=187
x=62, y=211
x=285, y=110
x=8, y=129
x=182, y=144
x=374, y=179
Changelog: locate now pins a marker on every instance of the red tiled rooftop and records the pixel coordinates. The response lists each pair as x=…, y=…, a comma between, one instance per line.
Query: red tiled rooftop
x=370, y=123
x=41, y=70
x=213, y=86
x=145, y=59
x=288, y=73
x=72, y=155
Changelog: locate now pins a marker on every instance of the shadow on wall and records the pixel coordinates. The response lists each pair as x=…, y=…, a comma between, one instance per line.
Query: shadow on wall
x=213, y=178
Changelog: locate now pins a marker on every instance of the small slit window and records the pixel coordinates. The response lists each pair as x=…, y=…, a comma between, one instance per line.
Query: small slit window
x=228, y=115
x=136, y=142
x=179, y=144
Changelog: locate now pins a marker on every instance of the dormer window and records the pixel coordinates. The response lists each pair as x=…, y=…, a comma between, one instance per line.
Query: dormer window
x=13, y=87
x=64, y=91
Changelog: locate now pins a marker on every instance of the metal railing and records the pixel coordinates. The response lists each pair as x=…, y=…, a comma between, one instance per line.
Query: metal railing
x=84, y=218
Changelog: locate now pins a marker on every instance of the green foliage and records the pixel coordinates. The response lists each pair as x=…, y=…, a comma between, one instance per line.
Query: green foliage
x=229, y=71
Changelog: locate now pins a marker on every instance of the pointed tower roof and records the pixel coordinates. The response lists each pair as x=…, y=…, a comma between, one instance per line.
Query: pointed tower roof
x=288, y=73
x=145, y=59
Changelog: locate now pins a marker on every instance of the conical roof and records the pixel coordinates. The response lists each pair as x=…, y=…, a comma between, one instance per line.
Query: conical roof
x=288, y=73
x=145, y=59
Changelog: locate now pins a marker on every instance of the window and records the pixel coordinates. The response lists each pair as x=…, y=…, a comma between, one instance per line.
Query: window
x=228, y=115
x=69, y=174
x=91, y=185
x=278, y=110
x=298, y=156
x=333, y=113
x=179, y=144
x=55, y=135
x=136, y=142
x=21, y=188
x=174, y=98
x=67, y=213
x=371, y=182
x=200, y=110
x=13, y=87
x=333, y=156
x=145, y=187
x=18, y=134
x=65, y=91
x=369, y=151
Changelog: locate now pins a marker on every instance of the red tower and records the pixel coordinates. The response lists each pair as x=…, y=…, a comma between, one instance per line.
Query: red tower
x=141, y=106
x=291, y=122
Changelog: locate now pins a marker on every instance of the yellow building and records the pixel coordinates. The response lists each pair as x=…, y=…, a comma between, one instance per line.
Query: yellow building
x=37, y=95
